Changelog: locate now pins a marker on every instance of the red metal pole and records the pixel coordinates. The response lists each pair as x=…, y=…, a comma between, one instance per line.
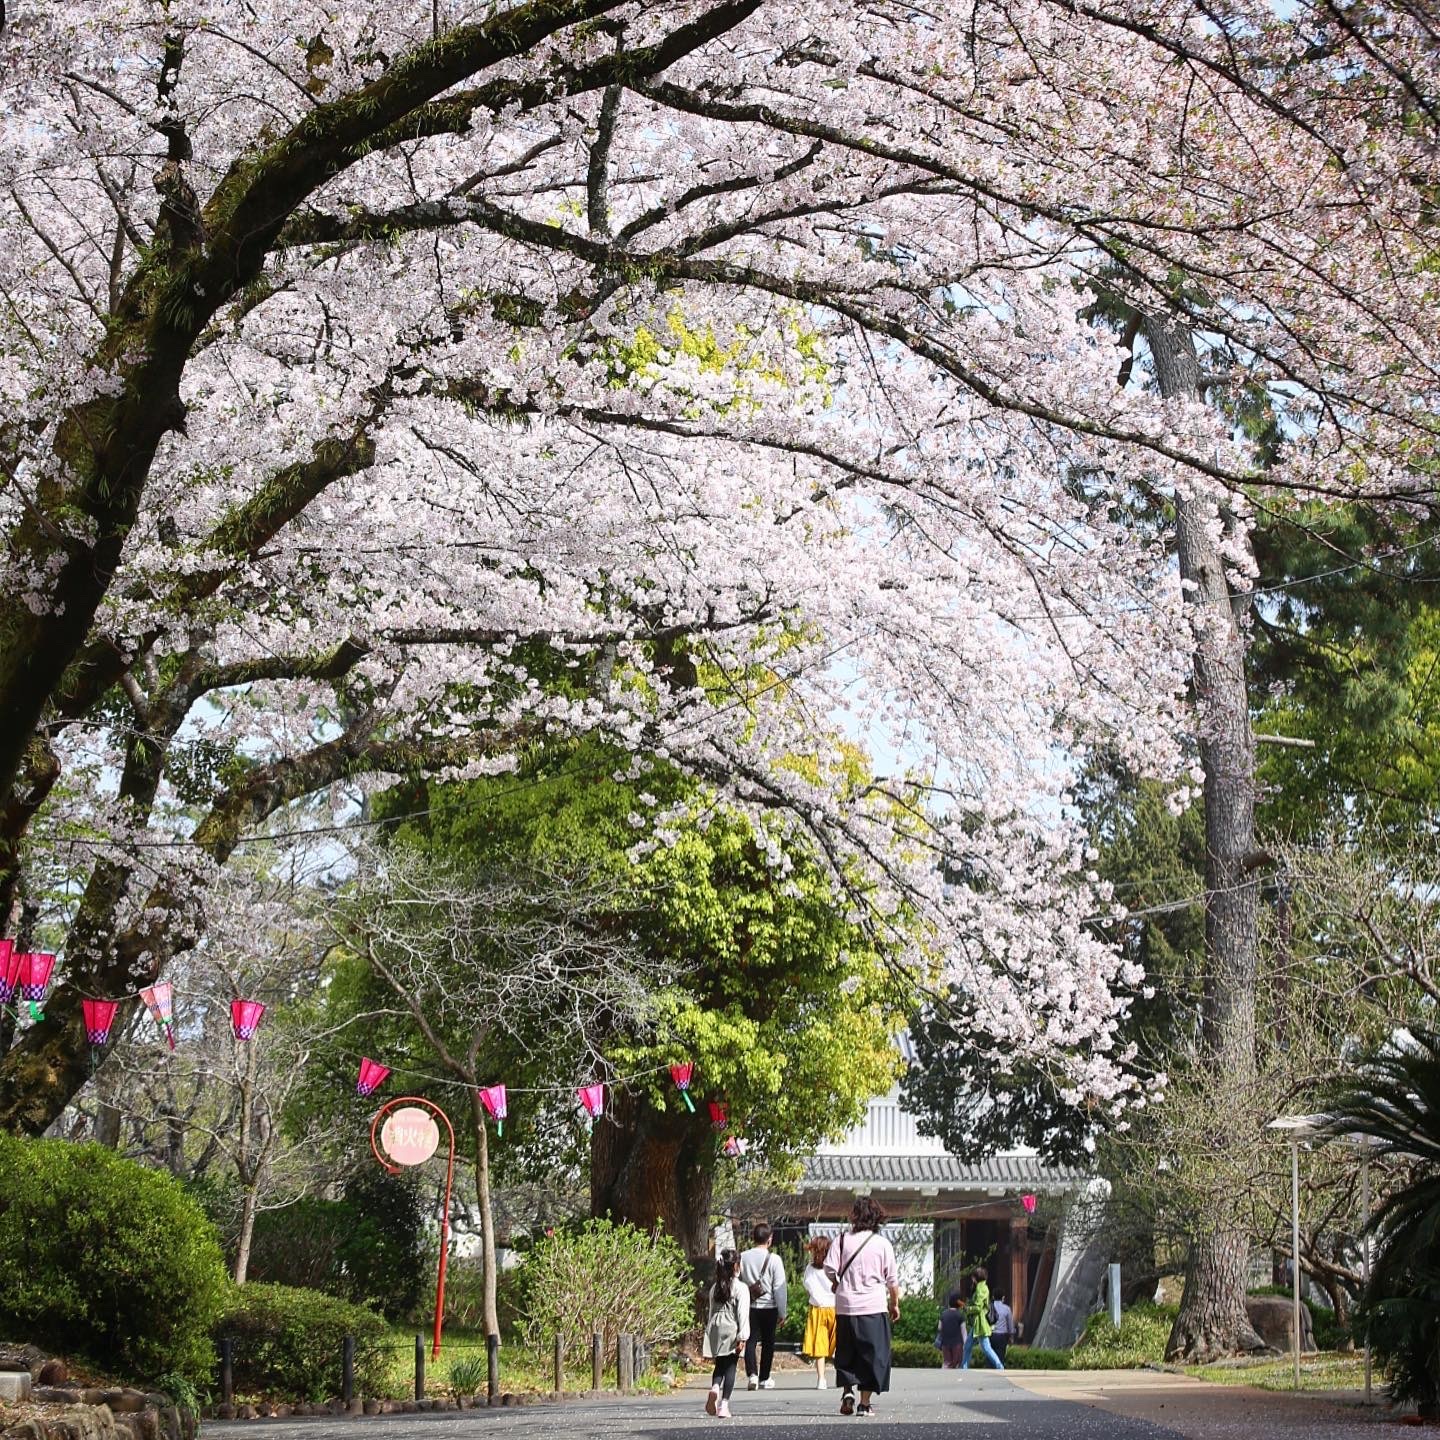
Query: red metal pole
x=445, y=1213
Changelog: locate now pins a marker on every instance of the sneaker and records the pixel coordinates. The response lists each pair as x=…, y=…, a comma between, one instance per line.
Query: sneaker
x=822, y=1384
x=767, y=1384
x=868, y=1411
x=723, y=1413
x=752, y=1382
x=712, y=1400
x=847, y=1404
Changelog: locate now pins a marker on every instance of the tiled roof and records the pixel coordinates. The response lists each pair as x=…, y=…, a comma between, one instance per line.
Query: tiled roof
x=904, y=1172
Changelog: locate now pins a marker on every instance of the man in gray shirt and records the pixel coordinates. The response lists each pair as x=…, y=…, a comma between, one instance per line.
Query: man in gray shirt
x=764, y=1272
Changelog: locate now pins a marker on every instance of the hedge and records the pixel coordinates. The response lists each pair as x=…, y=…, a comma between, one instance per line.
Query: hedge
x=106, y=1258
x=913, y=1355
x=288, y=1343
x=1024, y=1357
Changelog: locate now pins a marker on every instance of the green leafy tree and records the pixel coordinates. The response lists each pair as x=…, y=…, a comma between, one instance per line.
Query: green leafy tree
x=784, y=1005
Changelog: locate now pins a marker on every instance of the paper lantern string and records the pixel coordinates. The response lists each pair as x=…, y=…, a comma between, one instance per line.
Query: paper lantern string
x=592, y=1102
x=9, y=971
x=160, y=1002
x=99, y=1017
x=492, y=1097
x=34, y=977
x=245, y=1017
x=735, y=1147
x=681, y=1075
x=719, y=1114
x=1028, y=1201
x=372, y=1076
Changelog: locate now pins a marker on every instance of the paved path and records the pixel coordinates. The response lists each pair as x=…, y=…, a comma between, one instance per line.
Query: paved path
x=925, y=1405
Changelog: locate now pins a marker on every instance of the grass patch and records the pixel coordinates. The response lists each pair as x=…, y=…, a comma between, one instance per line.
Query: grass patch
x=1326, y=1371
x=1140, y=1340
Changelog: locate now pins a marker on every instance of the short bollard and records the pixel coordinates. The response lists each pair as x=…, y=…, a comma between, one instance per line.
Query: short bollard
x=597, y=1362
x=624, y=1364
x=227, y=1370
x=347, y=1370
x=642, y=1359
x=559, y=1364
x=492, y=1368
x=419, y=1367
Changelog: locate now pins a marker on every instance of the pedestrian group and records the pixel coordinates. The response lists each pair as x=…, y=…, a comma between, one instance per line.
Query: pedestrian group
x=852, y=1287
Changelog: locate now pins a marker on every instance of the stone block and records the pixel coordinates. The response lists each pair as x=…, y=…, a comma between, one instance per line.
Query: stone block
x=244, y=1412
x=53, y=1372
x=125, y=1402
x=23, y=1357
x=225, y=1411
x=409, y=1406
x=1273, y=1319
x=284, y=1412
x=15, y=1385
x=372, y=1407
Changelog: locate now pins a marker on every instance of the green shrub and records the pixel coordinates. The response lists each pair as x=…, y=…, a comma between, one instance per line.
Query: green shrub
x=1023, y=1357
x=102, y=1256
x=610, y=1278
x=367, y=1247
x=469, y=1374
x=912, y=1355
x=1140, y=1340
x=919, y=1319
x=1329, y=1333
x=288, y=1343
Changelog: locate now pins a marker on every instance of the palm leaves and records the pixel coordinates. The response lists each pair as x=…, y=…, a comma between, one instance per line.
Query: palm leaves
x=1392, y=1103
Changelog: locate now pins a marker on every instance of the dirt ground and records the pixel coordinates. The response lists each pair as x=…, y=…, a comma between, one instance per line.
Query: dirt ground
x=1199, y=1410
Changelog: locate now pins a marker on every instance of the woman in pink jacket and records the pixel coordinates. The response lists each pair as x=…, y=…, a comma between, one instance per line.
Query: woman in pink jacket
x=867, y=1304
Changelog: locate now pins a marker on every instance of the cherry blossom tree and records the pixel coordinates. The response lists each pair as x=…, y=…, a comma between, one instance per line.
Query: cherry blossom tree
x=387, y=387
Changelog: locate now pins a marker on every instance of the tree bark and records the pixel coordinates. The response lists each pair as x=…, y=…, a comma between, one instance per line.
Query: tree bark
x=653, y=1167
x=1212, y=1321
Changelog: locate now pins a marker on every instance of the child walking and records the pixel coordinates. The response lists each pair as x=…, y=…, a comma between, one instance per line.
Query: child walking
x=819, y=1343
x=727, y=1328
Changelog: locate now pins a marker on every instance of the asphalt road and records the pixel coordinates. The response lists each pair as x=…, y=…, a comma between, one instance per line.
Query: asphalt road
x=925, y=1405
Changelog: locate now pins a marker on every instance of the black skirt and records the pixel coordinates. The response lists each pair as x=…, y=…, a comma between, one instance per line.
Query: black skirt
x=862, y=1352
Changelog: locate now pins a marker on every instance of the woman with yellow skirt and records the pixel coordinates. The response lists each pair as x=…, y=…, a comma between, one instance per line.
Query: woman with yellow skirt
x=819, y=1344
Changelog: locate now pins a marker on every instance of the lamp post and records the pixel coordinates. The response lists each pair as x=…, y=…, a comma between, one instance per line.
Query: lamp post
x=1297, y=1128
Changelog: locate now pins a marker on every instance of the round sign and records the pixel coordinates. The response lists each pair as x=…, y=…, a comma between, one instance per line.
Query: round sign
x=410, y=1136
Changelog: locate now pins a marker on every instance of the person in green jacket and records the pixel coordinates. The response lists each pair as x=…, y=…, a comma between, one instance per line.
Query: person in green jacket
x=977, y=1314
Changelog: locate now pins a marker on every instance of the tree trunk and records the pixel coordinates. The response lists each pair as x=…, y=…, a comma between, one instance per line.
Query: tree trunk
x=248, y=1206
x=653, y=1167
x=1212, y=1319
x=489, y=1259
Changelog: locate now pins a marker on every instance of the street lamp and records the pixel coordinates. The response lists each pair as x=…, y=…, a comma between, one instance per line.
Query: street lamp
x=1297, y=1127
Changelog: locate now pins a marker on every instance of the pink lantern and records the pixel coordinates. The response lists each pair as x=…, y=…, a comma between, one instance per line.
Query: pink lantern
x=1028, y=1201
x=99, y=1017
x=719, y=1114
x=245, y=1017
x=734, y=1147
x=492, y=1097
x=681, y=1075
x=9, y=971
x=160, y=1002
x=592, y=1100
x=372, y=1076
x=34, y=976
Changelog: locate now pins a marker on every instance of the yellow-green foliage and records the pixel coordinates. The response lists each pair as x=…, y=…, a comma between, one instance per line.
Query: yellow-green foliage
x=785, y=1006
x=747, y=358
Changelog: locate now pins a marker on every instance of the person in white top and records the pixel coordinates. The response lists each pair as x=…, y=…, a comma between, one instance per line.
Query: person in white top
x=764, y=1273
x=819, y=1343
